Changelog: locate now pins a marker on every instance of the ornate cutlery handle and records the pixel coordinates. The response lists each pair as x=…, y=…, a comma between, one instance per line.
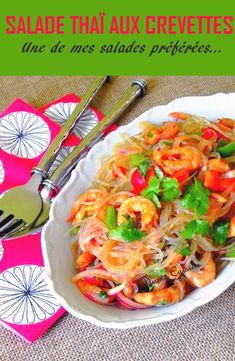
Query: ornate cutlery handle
x=52, y=151
x=138, y=88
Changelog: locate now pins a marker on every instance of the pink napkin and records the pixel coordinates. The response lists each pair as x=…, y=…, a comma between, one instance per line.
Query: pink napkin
x=27, y=306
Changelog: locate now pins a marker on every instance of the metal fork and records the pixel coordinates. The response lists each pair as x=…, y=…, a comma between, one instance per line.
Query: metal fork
x=20, y=206
x=52, y=185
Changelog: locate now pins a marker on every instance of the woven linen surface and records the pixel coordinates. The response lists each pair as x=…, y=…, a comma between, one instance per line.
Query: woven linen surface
x=207, y=333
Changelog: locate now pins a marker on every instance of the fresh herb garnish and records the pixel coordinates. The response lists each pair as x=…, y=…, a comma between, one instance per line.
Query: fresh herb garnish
x=144, y=166
x=170, y=189
x=196, y=198
x=150, y=134
x=230, y=254
x=194, y=227
x=127, y=231
x=219, y=231
x=103, y=295
x=74, y=231
x=150, y=287
x=155, y=271
x=158, y=172
x=182, y=246
x=151, y=192
x=162, y=303
x=185, y=251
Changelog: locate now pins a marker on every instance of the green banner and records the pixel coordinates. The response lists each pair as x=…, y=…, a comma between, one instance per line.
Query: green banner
x=117, y=38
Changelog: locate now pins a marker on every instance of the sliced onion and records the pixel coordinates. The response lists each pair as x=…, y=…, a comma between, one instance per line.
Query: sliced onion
x=229, y=174
x=97, y=273
x=129, y=304
x=181, y=288
x=226, y=134
x=92, y=228
x=205, y=244
x=97, y=265
x=218, y=197
x=113, y=291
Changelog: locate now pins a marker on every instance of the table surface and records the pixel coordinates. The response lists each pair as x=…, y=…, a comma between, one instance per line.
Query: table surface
x=205, y=334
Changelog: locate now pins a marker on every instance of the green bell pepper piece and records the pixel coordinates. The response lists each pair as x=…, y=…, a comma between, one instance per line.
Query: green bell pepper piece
x=136, y=159
x=226, y=150
x=110, y=217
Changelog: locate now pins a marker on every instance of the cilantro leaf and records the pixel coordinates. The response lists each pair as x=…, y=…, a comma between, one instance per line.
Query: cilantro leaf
x=194, y=227
x=230, y=254
x=150, y=134
x=159, y=172
x=151, y=192
x=196, y=198
x=181, y=245
x=162, y=303
x=103, y=295
x=185, y=251
x=153, y=197
x=155, y=271
x=127, y=231
x=219, y=231
x=154, y=185
x=150, y=288
x=74, y=231
x=144, y=166
x=170, y=189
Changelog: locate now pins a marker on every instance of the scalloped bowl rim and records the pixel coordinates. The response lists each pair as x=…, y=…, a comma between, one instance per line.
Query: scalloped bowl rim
x=95, y=313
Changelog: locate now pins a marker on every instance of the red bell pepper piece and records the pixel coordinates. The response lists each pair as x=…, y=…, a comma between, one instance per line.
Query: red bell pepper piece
x=208, y=133
x=121, y=169
x=212, y=180
x=150, y=173
x=138, y=182
x=226, y=183
x=95, y=281
x=181, y=175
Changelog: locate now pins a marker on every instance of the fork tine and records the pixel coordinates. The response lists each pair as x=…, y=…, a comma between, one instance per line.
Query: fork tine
x=13, y=229
x=6, y=220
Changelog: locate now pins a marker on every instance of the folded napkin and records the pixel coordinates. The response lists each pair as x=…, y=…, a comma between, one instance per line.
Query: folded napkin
x=27, y=307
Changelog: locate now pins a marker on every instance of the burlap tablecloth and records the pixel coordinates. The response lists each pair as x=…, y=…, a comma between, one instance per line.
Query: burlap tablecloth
x=205, y=334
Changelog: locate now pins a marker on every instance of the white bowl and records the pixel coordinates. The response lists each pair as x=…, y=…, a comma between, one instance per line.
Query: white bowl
x=56, y=239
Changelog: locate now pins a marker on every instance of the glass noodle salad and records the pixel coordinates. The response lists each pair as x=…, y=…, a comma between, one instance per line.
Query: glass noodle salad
x=159, y=219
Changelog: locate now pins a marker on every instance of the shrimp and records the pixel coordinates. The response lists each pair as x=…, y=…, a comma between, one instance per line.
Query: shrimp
x=218, y=165
x=84, y=260
x=230, y=123
x=86, y=204
x=170, y=295
x=173, y=269
x=204, y=276
x=179, y=115
x=138, y=205
x=172, y=160
x=167, y=131
x=115, y=200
